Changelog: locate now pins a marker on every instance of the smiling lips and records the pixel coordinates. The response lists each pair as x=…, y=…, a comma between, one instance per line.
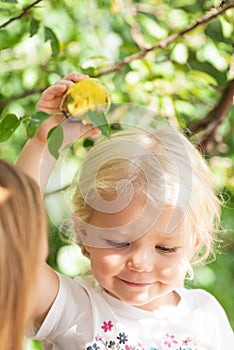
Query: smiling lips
x=135, y=284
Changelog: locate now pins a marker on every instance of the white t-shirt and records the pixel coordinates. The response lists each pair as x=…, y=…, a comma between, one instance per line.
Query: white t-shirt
x=84, y=317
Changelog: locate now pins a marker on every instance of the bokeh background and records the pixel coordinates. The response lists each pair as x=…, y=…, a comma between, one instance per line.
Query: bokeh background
x=174, y=57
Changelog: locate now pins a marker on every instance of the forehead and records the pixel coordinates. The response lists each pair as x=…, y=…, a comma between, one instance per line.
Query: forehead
x=139, y=218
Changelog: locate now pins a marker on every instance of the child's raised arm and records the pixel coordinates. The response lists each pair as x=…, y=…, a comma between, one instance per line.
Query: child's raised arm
x=36, y=161
x=35, y=158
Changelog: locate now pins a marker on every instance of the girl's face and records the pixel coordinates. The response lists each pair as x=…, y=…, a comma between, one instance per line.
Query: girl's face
x=146, y=271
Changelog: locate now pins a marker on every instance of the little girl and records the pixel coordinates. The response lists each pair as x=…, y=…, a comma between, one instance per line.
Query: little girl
x=144, y=211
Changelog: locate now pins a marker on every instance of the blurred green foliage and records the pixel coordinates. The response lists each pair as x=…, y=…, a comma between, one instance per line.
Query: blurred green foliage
x=182, y=81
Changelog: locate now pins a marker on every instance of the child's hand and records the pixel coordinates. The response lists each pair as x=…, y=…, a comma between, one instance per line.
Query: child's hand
x=50, y=99
x=50, y=103
x=34, y=153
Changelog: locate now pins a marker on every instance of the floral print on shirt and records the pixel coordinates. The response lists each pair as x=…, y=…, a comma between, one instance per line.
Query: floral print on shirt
x=112, y=337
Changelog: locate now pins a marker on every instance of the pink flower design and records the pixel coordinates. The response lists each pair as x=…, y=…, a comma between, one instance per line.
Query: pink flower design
x=186, y=341
x=99, y=337
x=170, y=340
x=127, y=347
x=107, y=326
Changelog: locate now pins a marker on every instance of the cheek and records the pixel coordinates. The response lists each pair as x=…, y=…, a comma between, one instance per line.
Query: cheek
x=105, y=264
x=172, y=268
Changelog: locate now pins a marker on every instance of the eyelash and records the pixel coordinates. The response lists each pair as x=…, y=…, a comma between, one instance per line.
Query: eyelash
x=166, y=249
x=117, y=244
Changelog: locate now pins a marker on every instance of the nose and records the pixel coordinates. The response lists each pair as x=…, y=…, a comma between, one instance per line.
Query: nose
x=140, y=260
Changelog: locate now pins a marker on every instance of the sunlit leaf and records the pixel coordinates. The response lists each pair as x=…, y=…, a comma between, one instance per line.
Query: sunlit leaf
x=87, y=94
x=88, y=100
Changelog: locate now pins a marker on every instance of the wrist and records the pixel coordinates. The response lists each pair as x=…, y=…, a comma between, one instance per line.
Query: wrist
x=37, y=141
x=46, y=126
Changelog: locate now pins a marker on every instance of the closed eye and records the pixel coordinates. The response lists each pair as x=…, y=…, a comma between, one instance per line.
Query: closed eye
x=166, y=249
x=116, y=244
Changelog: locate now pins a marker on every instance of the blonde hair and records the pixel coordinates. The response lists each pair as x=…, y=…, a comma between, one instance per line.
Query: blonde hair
x=22, y=222
x=164, y=166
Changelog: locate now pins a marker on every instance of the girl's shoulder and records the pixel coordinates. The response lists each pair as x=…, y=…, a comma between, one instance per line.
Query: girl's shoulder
x=88, y=282
x=200, y=298
x=196, y=293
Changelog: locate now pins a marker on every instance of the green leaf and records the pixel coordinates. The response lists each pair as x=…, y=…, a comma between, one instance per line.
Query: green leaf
x=35, y=121
x=88, y=143
x=55, y=140
x=50, y=35
x=99, y=120
x=89, y=70
x=214, y=31
x=8, y=126
x=207, y=68
x=34, y=26
x=11, y=1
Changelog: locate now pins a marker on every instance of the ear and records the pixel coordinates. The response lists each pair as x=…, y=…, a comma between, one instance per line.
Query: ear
x=193, y=245
x=196, y=244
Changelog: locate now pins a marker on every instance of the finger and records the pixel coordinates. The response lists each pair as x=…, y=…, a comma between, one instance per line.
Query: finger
x=53, y=91
x=47, y=125
x=75, y=77
x=59, y=88
x=89, y=130
x=49, y=105
x=64, y=82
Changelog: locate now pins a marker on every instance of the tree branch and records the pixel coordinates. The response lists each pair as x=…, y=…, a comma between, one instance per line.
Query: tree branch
x=213, y=13
x=212, y=120
x=218, y=115
x=5, y=102
x=22, y=14
x=218, y=111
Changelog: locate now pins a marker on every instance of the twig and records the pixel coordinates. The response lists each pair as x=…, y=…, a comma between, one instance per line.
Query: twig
x=219, y=113
x=164, y=43
x=22, y=14
x=212, y=120
x=5, y=102
x=216, y=113
x=57, y=191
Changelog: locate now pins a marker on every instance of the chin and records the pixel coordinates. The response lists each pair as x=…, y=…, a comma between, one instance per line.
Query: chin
x=138, y=301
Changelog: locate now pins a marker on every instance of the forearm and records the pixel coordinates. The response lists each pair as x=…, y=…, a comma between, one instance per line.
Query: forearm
x=36, y=161
x=35, y=158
